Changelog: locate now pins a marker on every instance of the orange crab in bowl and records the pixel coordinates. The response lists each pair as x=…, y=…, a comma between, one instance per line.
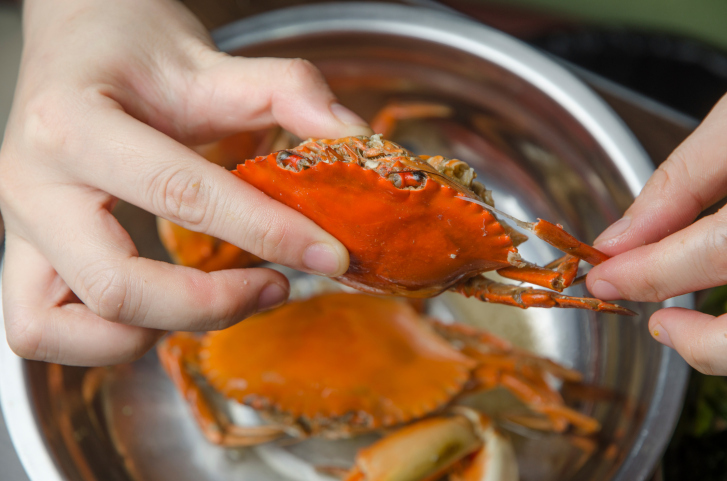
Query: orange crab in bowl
x=416, y=225
x=339, y=365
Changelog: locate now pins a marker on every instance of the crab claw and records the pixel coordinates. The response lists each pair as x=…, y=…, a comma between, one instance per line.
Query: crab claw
x=561, y=273
x=463, y=444
x=490, y=291
x=495, y=461
x=561, y=240
x=557, y=275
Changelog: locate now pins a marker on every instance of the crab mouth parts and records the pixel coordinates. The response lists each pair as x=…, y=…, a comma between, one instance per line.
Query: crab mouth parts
x=409, y=179
x=391, y=161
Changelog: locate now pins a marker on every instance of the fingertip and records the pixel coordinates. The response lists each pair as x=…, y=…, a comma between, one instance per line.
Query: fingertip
x=661, y=335
x=326, y=259
x=610, y=237
x=636, y=275
x=352, y=124
x=603, y=289
x=673, y=318
x=313, y=118
x=272, y=296
x=660, y=324
x=701, y=339
x=236, y=294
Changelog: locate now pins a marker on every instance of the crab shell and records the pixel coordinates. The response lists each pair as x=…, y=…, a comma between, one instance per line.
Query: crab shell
x=404, y=222
x=336, y=364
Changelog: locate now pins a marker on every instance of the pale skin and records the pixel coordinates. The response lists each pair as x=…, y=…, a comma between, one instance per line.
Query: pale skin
x=109, y=95
x=660, y=252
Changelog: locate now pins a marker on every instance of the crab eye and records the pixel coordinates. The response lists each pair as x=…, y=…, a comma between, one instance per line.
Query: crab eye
x=408, y=180
x=291, y=161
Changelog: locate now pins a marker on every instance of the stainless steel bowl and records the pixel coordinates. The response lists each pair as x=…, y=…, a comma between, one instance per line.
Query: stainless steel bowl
x=545, y=144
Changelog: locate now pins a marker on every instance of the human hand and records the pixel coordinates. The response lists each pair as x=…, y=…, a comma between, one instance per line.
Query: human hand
x=109, y=94
x=659, y=253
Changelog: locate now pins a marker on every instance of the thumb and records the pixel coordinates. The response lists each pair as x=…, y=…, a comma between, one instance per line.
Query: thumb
x=236, y=94
x=699, y=338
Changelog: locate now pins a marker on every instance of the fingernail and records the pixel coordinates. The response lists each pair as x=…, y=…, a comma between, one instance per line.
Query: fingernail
x=661, y=335
x=605, y=290
x=615, y=230
x=321, y=258
x=346, y=116
x=271, y=296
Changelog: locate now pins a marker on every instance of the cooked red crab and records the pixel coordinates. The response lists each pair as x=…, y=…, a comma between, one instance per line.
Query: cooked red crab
x=338, y=365
x=416, y=225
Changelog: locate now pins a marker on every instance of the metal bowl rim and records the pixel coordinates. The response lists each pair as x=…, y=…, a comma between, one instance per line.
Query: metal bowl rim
x=479, y=40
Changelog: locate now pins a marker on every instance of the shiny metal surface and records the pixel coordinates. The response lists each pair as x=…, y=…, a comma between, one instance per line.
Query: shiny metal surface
x=544, y=143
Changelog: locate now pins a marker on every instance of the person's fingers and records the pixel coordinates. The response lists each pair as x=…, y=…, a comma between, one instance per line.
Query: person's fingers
x=289, y=92
x=134, y=162
x=699, y=338
x=690, y=180
x=41, y=324
x=235, y=94
x=683, y=262
x=97, y=259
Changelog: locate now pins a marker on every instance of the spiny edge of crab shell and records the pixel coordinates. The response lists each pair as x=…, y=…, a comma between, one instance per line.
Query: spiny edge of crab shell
x=447, y=187
x=322, y=421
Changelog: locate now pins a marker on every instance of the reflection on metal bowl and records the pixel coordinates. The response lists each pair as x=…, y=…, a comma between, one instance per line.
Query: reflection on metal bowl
x=546, y=146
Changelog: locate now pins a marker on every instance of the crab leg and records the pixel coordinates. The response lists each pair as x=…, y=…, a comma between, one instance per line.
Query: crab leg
x=556, y=236
x=429, y=449
x=480, y=343
x=528, y=383
x=386, y=119
x=490, y=291
x=566, y=267
x=542, y=399
x=522, y=373
x=561, y=240
x=553, y=234
x=557, y=275
x=178, y=357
